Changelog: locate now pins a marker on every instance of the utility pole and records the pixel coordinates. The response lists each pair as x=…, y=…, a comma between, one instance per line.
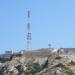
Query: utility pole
x=49, y=46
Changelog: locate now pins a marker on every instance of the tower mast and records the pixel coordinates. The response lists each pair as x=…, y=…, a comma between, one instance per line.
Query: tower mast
x=29, y=32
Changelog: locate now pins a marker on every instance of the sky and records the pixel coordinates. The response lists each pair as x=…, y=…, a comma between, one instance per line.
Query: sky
x=52, y=21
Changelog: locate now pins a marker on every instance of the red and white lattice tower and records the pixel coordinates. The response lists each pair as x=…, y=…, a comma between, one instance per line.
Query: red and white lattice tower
x=29, y=38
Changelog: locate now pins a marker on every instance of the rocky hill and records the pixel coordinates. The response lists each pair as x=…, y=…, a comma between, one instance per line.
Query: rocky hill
x=40, y=62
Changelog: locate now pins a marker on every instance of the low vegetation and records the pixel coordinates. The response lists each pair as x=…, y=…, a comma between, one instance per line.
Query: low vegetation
x=32, y=70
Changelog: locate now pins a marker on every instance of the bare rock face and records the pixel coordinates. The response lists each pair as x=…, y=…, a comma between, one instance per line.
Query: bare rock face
x=18, y=65
x=31, y=63
x=40, y=60
x=15, y=72
x=8, y=69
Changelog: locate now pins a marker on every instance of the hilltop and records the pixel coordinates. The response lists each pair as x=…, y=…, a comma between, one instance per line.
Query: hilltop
x=40, y=62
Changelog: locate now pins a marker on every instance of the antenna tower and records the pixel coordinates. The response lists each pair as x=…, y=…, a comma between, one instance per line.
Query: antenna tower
x=29, y=32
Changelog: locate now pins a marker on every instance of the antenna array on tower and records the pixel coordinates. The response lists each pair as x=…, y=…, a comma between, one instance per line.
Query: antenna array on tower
x=29, y=32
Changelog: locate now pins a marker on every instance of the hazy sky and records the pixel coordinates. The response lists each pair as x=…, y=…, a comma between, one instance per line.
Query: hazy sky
x=52, y=21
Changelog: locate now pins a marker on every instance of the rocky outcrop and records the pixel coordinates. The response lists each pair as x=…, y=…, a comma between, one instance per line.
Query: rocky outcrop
x=31, y=64
x=18, y=65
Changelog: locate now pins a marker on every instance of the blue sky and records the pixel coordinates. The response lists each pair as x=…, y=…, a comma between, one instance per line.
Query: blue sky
x=52, y=21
